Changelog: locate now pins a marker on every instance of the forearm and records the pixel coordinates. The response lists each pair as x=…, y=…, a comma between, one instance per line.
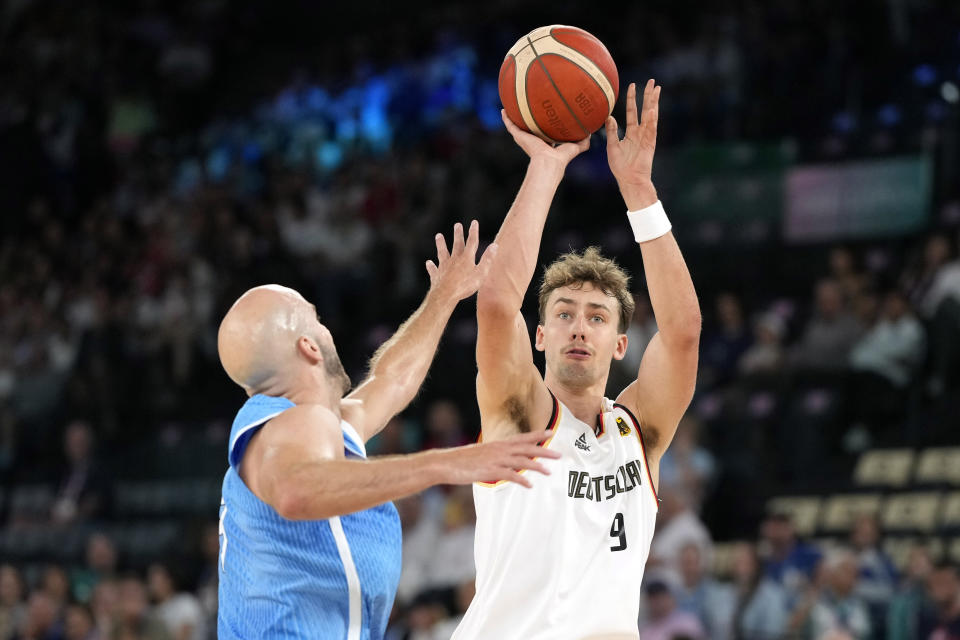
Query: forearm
x=337, y=487
x=520, y=234
x=672, y=294
x=405, y=358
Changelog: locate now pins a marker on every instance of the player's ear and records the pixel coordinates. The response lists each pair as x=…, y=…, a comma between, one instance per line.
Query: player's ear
x=538, y=343
x=621, y=349
x=310, y=350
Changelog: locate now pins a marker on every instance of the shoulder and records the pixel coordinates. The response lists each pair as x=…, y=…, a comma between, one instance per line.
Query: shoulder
x=351, y=411
x=304, y=417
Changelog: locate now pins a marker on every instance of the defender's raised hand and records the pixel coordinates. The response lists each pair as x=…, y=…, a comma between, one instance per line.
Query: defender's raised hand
x=536, y=148
x=456, y=273
x=631, y=159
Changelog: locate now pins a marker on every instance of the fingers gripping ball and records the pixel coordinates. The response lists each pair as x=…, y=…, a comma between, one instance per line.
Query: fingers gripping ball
x=559, y=83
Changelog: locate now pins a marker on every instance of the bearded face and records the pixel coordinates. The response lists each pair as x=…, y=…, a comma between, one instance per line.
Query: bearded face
x=334, y=368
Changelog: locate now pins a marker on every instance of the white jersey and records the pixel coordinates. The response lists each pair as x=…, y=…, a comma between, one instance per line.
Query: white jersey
x=564, y=559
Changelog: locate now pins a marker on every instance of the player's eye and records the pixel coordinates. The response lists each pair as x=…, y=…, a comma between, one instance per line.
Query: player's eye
x=563, y=315
x=597, y=319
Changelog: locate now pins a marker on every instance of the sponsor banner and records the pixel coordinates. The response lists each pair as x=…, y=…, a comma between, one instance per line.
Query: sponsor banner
x=872, y=198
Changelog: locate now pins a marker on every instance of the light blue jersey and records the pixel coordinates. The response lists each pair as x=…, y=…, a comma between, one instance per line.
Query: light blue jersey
x=279, y=578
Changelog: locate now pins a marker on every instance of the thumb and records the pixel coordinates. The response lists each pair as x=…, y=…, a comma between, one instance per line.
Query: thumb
x=612, y=134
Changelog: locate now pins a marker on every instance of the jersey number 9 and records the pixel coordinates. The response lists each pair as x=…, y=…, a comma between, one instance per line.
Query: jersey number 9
x=617, y=531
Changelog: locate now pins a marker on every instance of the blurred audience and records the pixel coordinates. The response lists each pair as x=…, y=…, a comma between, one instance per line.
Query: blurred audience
x=101, y=564
x=82, y=488
x=838, y=610
x=829, y=334
x=903, y=616
x=642, y=328
x=13, y=611
x=766, y=354
x=702, y=596
x=892, y=348
x=41, y=621
x=942, y=620
x=677, y=526
x=877, y=577
x=844, y=271
x=687, y=465
x=78, y=623
x=209, y=579
x=179, y=611
x=725, y=342
x=135, y=618
x=420, y=534
x=664, y=620
x=787, y=561
x=451, y=560
x=444, y=426
x=760, y=609
x=935, y=291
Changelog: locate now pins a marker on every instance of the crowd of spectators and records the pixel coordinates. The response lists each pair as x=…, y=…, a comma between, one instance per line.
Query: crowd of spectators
x=142, y=200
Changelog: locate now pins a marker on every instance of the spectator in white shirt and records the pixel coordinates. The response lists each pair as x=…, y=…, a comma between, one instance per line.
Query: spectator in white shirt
x=180, y=613
x=677, y=526
x=893, y=347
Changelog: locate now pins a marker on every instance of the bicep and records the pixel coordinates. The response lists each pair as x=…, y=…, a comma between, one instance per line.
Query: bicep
x=504, y=354
x=298, y=438
x=509, y=386
x=662, y=391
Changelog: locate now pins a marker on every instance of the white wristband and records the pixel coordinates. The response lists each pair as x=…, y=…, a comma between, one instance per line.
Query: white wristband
x=649, y=223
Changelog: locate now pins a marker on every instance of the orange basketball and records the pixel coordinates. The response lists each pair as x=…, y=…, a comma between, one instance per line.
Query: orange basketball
x=559, y=83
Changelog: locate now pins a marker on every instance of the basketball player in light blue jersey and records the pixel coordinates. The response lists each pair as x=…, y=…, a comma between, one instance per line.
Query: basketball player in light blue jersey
x=309, y=542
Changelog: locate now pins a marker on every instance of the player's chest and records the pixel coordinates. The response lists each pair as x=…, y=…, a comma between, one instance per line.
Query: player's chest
x=601, y=462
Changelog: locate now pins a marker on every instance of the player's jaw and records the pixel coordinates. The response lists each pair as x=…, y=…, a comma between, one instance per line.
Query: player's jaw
x=577, y=363
x=578, y=366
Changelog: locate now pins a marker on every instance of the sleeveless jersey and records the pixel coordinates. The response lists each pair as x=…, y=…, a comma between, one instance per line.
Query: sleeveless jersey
x=565, y=558
x=279, y=578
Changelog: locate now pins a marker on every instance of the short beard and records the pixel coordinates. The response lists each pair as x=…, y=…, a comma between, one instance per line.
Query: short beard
x=575, y=375
x=335, y=370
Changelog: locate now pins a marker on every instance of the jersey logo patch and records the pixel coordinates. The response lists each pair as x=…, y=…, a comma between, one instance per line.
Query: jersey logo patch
x=624, y=428
x=581, y=442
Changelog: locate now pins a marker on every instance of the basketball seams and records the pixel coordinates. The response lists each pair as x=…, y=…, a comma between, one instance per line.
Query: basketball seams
x=557, y=89
x=522, y=64
x=589, y=67
x=514, y=50
x=572, y=48
x=585, y=71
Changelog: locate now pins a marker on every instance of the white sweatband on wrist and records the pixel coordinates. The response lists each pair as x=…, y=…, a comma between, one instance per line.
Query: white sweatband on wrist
x=649, y=223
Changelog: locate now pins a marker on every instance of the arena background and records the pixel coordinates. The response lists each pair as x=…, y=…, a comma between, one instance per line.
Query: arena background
x=159, y=158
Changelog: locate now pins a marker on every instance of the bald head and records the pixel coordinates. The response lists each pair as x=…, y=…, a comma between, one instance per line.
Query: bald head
x=268, y=334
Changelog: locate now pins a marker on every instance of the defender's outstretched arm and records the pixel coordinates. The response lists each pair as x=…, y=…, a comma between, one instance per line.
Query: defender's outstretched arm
x=399, y=366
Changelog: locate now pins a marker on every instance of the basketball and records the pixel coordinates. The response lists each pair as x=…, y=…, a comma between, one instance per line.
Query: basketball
x=559, y=83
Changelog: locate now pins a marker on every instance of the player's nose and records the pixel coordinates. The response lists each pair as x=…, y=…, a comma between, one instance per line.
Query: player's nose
x=579, y=329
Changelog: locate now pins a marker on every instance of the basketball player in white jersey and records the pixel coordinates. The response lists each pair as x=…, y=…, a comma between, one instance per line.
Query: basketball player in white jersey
x=564, y=560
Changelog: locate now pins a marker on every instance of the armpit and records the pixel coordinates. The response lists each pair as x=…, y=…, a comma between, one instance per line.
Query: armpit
x=516, y=411
x=651, y=436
